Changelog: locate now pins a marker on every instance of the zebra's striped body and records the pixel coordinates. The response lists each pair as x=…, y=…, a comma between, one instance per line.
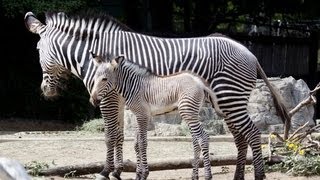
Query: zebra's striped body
x=228, y=67
x=147, y=95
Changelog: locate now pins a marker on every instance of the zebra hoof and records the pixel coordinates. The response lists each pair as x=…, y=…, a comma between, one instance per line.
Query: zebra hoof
x=116, y=175
x=100, y=177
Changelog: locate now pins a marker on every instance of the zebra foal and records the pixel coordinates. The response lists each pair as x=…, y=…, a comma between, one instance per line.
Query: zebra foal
x=147, y=95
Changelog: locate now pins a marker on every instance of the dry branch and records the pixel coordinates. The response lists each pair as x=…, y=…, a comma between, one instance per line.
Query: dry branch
x=130, y=166
x=310, y=100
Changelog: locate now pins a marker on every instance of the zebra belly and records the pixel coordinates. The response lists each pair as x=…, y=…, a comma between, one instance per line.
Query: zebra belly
x=162, y=109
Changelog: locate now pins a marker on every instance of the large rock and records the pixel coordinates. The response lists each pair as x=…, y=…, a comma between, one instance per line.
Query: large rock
x=260, y=107
x=263, y=112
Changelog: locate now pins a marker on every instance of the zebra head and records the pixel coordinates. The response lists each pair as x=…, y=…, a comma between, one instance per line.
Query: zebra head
x=105, y=77
x=52, y=71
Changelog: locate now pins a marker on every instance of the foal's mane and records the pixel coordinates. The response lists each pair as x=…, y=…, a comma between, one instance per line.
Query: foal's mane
x=138, y=69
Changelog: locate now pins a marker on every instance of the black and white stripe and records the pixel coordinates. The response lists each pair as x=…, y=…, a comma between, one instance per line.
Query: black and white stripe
x=147, y=95
x=228, y=67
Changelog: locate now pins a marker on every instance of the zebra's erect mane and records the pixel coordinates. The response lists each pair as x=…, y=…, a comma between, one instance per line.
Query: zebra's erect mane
x=55, y=19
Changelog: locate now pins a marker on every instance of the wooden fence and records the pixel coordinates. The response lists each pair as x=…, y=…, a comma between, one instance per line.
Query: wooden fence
x=283, y=56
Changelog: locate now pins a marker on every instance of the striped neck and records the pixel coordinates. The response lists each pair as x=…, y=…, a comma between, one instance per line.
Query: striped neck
x=71, y=38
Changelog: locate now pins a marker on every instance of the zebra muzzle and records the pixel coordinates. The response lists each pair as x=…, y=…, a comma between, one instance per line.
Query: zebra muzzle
x=95, y=101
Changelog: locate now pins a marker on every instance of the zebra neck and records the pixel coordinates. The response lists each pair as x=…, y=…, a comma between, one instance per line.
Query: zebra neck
x=127, y=83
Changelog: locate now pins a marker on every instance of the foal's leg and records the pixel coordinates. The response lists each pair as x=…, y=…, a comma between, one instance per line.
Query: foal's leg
x=196, y=160
x=118, y=156
x=141, y=144
x=109, y=108
x=189, y=110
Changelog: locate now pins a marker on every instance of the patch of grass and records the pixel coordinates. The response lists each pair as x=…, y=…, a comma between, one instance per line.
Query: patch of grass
x=225, y=169
x=93, y=126
x=35, y=167
x=184, y=129
x=297, y=165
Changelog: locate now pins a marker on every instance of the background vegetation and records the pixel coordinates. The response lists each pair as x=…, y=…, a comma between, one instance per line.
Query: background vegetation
x=20, y=76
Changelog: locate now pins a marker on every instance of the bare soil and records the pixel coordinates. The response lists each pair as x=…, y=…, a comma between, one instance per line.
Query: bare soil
x=60, y=148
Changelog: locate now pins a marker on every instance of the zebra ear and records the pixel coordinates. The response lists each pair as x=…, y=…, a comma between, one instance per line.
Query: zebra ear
x=116, y=61
x=119, y=59
x=32, y=23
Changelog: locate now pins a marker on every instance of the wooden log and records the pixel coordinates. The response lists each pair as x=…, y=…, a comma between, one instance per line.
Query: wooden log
x=274, y=159
x=130, y=166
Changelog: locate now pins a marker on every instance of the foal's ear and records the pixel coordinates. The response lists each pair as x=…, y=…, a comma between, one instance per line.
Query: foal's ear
x=119, y=59
x=116, y=61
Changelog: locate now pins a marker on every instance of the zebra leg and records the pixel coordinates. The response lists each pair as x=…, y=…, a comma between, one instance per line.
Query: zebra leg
x=253, y=138
x=242, y=148
x=202, y=139
x=204, y=143
x=109, y=108
x=189, y=111
x=138, y=155
x=245, y=132
x=118, y=156
x=196, y=160
x=142, y=171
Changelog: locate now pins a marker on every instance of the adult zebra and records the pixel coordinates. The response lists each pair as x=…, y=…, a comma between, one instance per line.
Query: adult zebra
x=229, y=68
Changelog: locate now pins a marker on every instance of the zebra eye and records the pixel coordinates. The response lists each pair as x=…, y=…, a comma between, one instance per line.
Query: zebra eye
x=104, y=79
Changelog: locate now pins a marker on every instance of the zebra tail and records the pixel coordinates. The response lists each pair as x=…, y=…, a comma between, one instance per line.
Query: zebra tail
x=280, y=107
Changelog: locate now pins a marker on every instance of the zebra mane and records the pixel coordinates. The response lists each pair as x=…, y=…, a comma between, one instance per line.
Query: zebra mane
x=54, y=19
x=224, y=36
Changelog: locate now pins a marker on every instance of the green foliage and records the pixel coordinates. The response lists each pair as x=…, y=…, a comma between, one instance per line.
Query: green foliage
x=297, y=165
x=92, y=126
x=13, y=8
x=35, y=167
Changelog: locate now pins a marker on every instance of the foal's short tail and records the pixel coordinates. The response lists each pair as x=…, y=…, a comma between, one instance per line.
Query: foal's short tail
x=213, y=100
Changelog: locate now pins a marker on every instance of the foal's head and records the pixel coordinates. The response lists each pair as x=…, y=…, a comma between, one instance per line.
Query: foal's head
x=104, y=78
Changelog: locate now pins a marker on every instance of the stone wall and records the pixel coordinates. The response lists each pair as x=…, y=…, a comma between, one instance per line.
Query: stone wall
x=260, y=107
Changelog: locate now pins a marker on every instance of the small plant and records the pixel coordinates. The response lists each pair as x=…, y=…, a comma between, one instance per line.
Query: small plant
x=225, y=169
x=298, y=155
x=248, y=169
x=35, y=167
x=93, y=126
x=184, y=130
x=297, y=165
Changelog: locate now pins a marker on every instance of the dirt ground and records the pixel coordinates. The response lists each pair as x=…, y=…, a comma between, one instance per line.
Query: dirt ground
x=60, y=148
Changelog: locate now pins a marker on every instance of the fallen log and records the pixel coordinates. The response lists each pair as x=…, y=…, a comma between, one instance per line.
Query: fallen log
x=130, y=166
